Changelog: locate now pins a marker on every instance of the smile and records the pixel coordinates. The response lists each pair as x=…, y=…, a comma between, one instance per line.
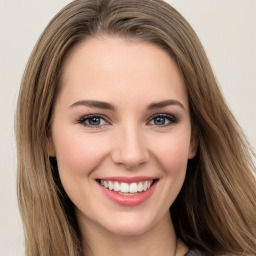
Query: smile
x=127, y=188
x=128, y=191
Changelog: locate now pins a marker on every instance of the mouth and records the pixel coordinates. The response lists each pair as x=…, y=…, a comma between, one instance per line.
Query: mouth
x=128, y=191
x=126, y=188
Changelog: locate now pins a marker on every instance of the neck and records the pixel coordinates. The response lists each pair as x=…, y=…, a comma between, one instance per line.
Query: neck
x=158, y=240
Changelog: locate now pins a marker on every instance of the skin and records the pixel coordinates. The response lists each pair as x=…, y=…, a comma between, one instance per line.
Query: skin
x=127, y=141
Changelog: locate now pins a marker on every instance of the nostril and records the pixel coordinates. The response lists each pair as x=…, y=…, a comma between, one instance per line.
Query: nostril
x=130, y=150
x=130, y=161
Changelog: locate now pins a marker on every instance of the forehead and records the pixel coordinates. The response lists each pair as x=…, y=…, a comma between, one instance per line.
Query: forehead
x=111, y=68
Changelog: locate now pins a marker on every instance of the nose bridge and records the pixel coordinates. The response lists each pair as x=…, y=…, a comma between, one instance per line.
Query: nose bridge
x=130, y=147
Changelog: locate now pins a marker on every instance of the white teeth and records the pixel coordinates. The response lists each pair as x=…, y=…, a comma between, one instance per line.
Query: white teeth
x=133, y=188
x=116, y=186
x=110, y=185
x=145, y=186
x=105, y=184
x=124, y=187
x=140, y=187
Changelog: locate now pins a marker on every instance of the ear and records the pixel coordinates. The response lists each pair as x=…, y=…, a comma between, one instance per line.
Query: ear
x=193, y=143
x=50, y=147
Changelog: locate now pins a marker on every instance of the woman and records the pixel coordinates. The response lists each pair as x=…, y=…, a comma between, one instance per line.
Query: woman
x=125, y=143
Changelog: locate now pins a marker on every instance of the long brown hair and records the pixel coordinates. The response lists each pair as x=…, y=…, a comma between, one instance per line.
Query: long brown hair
x=215, y=210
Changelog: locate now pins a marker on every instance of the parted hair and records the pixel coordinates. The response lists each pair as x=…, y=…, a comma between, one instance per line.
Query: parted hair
x=215, y=210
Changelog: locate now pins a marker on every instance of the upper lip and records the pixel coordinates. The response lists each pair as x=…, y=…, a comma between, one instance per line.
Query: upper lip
x=128, y=179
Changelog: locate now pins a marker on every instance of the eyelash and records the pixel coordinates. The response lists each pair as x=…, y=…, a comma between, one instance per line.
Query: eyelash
x=86, y=119
x=170, y=118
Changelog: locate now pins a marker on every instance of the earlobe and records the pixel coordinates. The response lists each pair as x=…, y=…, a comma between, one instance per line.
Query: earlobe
x=193, y=144
x=50, y=147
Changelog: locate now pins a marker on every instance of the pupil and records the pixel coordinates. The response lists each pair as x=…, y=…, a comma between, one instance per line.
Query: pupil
x=94, y=121
x=160, y=120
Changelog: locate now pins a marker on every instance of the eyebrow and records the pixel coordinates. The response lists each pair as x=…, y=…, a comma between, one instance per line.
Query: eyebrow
x=108, y=106
x=165, y=103
x=93, y=104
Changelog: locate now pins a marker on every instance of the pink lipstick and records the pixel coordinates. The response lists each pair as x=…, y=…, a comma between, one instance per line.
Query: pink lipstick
x=128, y=191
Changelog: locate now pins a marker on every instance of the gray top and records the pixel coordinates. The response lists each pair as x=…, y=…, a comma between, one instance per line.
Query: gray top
x=193, y=252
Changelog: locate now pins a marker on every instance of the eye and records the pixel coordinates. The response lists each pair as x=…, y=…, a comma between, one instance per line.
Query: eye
x=163, y=120
x=94, y=121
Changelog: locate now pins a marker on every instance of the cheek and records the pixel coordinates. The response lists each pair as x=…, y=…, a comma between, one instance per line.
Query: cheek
x=79, y=154
x=172, y=153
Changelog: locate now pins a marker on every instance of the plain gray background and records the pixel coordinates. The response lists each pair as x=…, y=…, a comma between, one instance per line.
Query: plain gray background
x=227, y=29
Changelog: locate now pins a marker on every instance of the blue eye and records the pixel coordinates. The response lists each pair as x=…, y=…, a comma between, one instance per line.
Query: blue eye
x=92, y=121
x=163, y=120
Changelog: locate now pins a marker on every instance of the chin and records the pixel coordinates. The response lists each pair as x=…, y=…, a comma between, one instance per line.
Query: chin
x=130, y=224
x=128, y=230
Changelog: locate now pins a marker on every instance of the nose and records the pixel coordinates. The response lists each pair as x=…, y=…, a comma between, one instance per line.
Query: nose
x=129, y=148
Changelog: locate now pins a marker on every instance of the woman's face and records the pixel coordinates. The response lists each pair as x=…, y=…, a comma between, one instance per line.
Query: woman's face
x=121, y=134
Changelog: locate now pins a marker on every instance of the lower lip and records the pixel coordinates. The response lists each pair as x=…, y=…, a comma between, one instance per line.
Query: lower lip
x=129, y=200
